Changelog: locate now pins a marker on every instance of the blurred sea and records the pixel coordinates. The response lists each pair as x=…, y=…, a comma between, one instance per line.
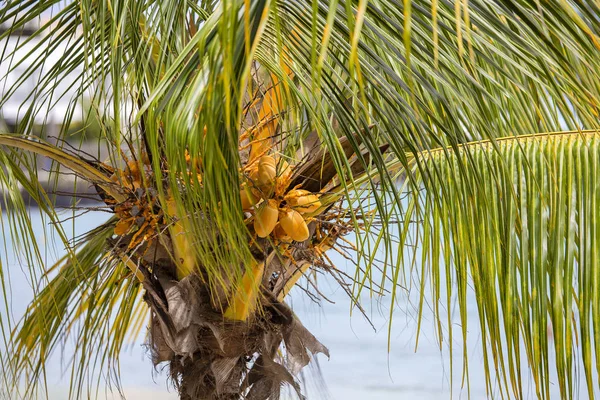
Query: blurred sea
x=360, y=366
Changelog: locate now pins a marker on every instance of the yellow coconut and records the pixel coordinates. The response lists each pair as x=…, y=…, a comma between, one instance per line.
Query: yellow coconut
x=257, y=189
x=266, y=218
x=248, y=198
x=303, y=201
x=294, y=225
x=307, y=204
x=279, y=233
x=292, y=195
x=267, y=171
x=253, y=175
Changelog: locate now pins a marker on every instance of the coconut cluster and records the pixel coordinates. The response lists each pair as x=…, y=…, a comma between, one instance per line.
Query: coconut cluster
x=140, y=215
x=276, y=211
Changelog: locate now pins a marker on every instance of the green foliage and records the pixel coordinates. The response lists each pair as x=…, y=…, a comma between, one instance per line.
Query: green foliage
x=85, y=298
x=89, y=128
x=521, y=227
x=419, y=76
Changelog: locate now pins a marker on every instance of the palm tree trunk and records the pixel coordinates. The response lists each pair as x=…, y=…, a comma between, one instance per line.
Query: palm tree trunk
x=212, y=358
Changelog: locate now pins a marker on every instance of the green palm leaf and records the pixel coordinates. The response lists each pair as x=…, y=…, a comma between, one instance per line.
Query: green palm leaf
x=86, y=287
x=519, y=225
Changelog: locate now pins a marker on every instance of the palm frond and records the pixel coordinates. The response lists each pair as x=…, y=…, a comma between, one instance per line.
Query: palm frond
x=89, y=300
x=516, y=220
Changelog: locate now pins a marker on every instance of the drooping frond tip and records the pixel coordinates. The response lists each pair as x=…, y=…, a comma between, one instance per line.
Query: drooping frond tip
x=516, y=219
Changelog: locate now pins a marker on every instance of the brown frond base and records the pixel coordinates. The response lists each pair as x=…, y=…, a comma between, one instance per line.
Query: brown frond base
x=211, y=358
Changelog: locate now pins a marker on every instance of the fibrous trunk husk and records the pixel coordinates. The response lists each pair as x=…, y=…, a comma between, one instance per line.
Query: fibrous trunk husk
x=213, y=358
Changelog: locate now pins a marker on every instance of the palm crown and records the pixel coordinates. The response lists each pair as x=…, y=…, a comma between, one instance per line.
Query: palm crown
x=453, y=142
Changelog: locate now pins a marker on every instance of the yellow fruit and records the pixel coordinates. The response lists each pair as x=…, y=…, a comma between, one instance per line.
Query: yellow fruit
x=303, y=201
x=247, y=197
x=280, y=233
x=294, y=225
x=295, y=193
x=266, y=218
x=267, y=171
x=256, y=189
x=307, y=204
x=253, y=175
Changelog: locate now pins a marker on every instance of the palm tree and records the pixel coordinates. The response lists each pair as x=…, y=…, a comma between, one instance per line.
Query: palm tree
x=449, y=145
